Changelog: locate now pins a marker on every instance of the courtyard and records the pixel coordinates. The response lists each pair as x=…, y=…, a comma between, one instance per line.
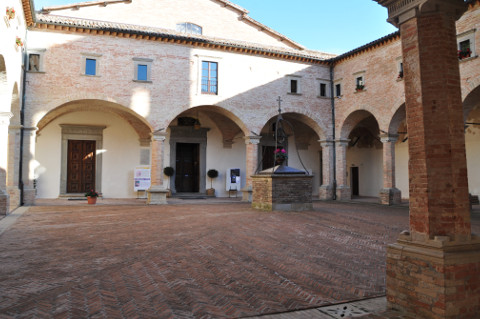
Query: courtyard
x=192, y=259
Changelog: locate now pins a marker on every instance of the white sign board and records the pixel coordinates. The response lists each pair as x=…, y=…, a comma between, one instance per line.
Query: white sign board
x=233, y=179
x=141, y=178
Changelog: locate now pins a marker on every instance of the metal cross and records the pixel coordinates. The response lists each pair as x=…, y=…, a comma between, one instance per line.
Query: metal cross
x=279, y=104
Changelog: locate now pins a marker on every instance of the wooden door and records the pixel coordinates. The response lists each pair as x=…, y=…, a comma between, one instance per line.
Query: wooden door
x=81, y=166
x=187, y=168
x=355, y=181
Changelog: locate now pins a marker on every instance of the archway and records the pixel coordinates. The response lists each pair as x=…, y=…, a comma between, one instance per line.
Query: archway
x=302, y=146
x=202, y=138
x=359, y=164
x=471, y=107
x=90, y=144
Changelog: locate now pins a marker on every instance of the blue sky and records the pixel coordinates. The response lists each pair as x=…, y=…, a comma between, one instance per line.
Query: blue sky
x=324, y=25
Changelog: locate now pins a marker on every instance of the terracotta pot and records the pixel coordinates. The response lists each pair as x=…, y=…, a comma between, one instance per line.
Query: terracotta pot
x=92, y=200
x=211, y=192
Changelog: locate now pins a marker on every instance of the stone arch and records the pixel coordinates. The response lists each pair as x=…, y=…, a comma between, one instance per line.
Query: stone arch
x=398, y=117
x=471, y=102
x=309, y=119
x=4, y=92
x=352, y=120
x=141, y=126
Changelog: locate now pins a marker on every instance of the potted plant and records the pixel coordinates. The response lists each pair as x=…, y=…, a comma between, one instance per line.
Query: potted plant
x=91, y=196
x=212, y=173
x=359, y=87
x=465, y=53
x=280, y=155
x=19, y=42
x=169, y=171
x=10, y=13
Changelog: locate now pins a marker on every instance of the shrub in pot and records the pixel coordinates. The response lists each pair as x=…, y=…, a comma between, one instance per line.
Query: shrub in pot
x=169, y=171
x=212, y=173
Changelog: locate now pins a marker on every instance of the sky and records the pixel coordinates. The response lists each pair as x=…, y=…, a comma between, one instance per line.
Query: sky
x=324, y=25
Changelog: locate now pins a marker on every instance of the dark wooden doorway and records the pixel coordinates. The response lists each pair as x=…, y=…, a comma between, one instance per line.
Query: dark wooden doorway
x=187, y=168
x=355, y=181
x=81, y=166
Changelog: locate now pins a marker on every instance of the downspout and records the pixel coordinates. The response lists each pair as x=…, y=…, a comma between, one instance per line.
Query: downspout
x=332, y=97
x=22, y=121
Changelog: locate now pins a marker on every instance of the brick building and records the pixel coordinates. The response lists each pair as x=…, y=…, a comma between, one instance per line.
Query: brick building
x=111, y=87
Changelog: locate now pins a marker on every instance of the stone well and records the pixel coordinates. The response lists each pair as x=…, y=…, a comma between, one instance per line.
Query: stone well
x=282, y=188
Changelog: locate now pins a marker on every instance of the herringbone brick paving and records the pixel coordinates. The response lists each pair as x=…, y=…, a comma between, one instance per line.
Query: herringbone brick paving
x=192, y=261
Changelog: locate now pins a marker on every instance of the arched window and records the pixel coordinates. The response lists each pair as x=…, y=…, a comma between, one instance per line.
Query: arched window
x=187, y=27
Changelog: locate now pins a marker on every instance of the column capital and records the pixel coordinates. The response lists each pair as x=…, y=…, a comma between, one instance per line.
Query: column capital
x=388, y=138
x=159, y=136
x=326, y=143
x=253, y=139
x=342, y=141
x=400, y=11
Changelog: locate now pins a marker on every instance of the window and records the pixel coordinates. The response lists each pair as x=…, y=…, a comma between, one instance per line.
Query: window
x=466, y=44
x=359, y=83
x=294, y=84
x=323, y=89
x=338, y=90
x=91, y=63
x=90, y=66
x=187, y=27
x=209, y=77
x=34, y=62
x=142, y=69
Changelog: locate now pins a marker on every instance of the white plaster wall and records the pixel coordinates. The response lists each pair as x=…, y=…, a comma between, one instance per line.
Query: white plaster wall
x=401, y=168
x=472, y=141
x=370, y=169
x=120, y=152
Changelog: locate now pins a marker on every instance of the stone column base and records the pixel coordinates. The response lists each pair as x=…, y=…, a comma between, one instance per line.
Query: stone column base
x=4, y=203
x=29, y=195
x=390, y=196
x=247, y=194
x=157, y=196
x=14, y=194
x=434, y=279
x=344, y=193
x=325, y=192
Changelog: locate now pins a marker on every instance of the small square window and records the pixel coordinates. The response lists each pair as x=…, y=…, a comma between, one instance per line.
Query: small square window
x=34, y=62
x=293, y=86
x=90, y=66
x=466, y=44
x=338, y=90
x=142, y=72
x=323, y=89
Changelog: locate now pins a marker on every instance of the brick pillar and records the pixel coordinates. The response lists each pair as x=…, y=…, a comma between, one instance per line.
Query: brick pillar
x=4, y=197
x=343, y=190
x=327, y=188
x=251, y=165
x=157, y=193
x=433, y=271
x=13, y=169
x=29, y=164
x=389, y=194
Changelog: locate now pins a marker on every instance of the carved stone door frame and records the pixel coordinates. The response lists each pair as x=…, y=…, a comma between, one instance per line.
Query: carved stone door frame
x=81, y=132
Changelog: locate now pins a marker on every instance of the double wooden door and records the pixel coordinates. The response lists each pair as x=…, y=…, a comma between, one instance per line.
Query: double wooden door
x=81, y=166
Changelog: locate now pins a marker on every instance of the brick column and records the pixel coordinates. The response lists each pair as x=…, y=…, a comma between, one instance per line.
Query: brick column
x=343, y=190
x=389, y=194
x=433, y=271
x=4, y=197
x=13, y=169
x=29, y=164
x=327, y=188
x=157, y=193
x=251, y=165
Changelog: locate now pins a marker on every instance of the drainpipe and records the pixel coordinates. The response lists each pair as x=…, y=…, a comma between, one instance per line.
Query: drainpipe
x=332, y=97
x=22, y=121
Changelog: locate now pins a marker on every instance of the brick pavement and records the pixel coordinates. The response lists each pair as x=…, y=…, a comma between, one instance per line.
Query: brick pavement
x=192, y=260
